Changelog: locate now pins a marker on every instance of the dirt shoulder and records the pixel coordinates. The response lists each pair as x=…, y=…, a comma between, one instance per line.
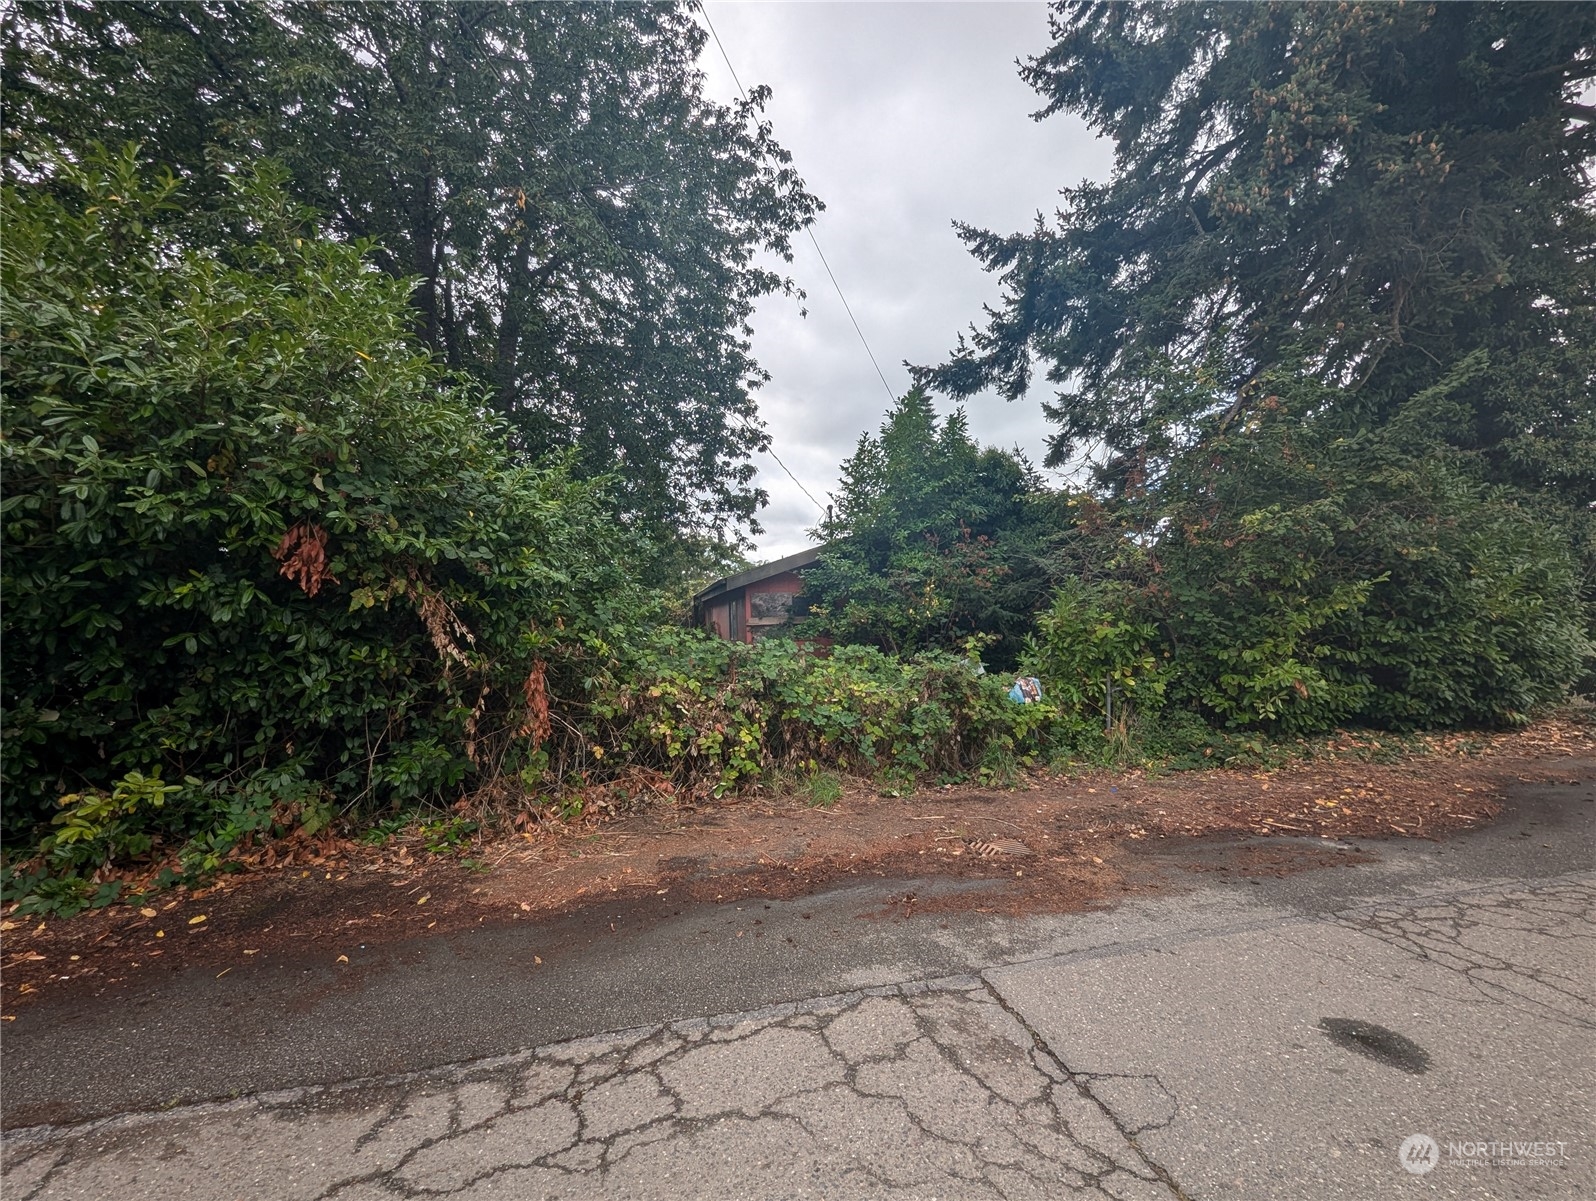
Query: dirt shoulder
x=1053, y=844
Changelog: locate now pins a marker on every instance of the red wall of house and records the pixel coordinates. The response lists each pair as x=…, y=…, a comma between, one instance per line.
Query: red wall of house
x=717, y=615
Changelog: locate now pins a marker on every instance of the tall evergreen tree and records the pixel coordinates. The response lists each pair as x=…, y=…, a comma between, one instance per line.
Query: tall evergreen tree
x=932, y=537
x=1388, y=198
x=1328, y=334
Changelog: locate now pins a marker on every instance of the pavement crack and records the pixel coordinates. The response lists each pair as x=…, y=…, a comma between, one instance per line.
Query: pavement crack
x=1081, y=1085
x=1449, y=933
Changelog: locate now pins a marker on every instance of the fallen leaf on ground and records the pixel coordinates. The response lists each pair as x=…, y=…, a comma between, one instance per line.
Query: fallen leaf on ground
x=343, y=959
x=146, y=912
x=196, y=919
x=423, y=900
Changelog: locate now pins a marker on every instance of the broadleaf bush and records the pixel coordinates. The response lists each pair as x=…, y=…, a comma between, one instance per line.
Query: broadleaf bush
x=714, y=715
x=254, y=539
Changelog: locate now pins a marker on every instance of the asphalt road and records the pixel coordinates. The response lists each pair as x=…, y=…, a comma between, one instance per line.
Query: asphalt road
x=1246, y=1038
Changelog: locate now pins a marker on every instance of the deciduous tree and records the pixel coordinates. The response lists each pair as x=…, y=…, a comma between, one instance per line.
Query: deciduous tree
x=587, y=229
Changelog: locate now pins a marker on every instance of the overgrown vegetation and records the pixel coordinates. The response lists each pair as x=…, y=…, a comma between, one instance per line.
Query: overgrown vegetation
x=932, y=538
x=256, y=546
x=710, y=714
x=1324, y=341
x=343, y=463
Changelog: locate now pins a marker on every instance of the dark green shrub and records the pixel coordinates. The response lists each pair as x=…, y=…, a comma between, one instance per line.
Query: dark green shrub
x=255, y=544
x=1305, y=580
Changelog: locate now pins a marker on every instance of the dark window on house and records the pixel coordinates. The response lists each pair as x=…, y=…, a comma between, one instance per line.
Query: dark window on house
x=771, y=604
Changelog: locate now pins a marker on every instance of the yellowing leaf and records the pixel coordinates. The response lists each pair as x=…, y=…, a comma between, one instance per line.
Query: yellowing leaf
x=8, y=925
x=423, y=899
x=196, y=919
x=160, y=934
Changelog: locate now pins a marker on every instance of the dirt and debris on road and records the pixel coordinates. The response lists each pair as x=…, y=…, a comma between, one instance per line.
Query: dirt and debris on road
x=1056, y=843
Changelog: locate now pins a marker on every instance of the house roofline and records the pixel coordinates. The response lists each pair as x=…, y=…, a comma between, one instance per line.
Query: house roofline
x=754, y=574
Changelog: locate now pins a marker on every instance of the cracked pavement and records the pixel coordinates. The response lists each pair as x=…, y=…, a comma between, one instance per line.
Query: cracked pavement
x=924, y=1089
x=1241, y=1040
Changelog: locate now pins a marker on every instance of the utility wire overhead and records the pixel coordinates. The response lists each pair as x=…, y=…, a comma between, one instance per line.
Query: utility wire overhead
x=808, y=229
x=772, y=453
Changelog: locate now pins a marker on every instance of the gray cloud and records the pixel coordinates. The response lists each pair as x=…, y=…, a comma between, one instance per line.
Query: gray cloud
x=902, y=118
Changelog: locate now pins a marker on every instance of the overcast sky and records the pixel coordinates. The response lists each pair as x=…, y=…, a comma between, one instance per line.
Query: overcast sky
x=902, y=118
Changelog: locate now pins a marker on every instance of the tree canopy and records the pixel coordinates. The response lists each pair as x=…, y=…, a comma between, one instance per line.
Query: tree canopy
x=1387, y=197
x=585, y=227
x=1327, y=336
x=932, y=537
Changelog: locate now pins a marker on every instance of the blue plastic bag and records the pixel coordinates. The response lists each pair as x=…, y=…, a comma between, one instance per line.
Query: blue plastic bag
x=1027, y=690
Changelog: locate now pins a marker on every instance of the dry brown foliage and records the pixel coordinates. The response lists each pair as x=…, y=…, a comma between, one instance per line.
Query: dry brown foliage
x=472, y=723
x=303, y=555
x=443, y=627
x=536, y=726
